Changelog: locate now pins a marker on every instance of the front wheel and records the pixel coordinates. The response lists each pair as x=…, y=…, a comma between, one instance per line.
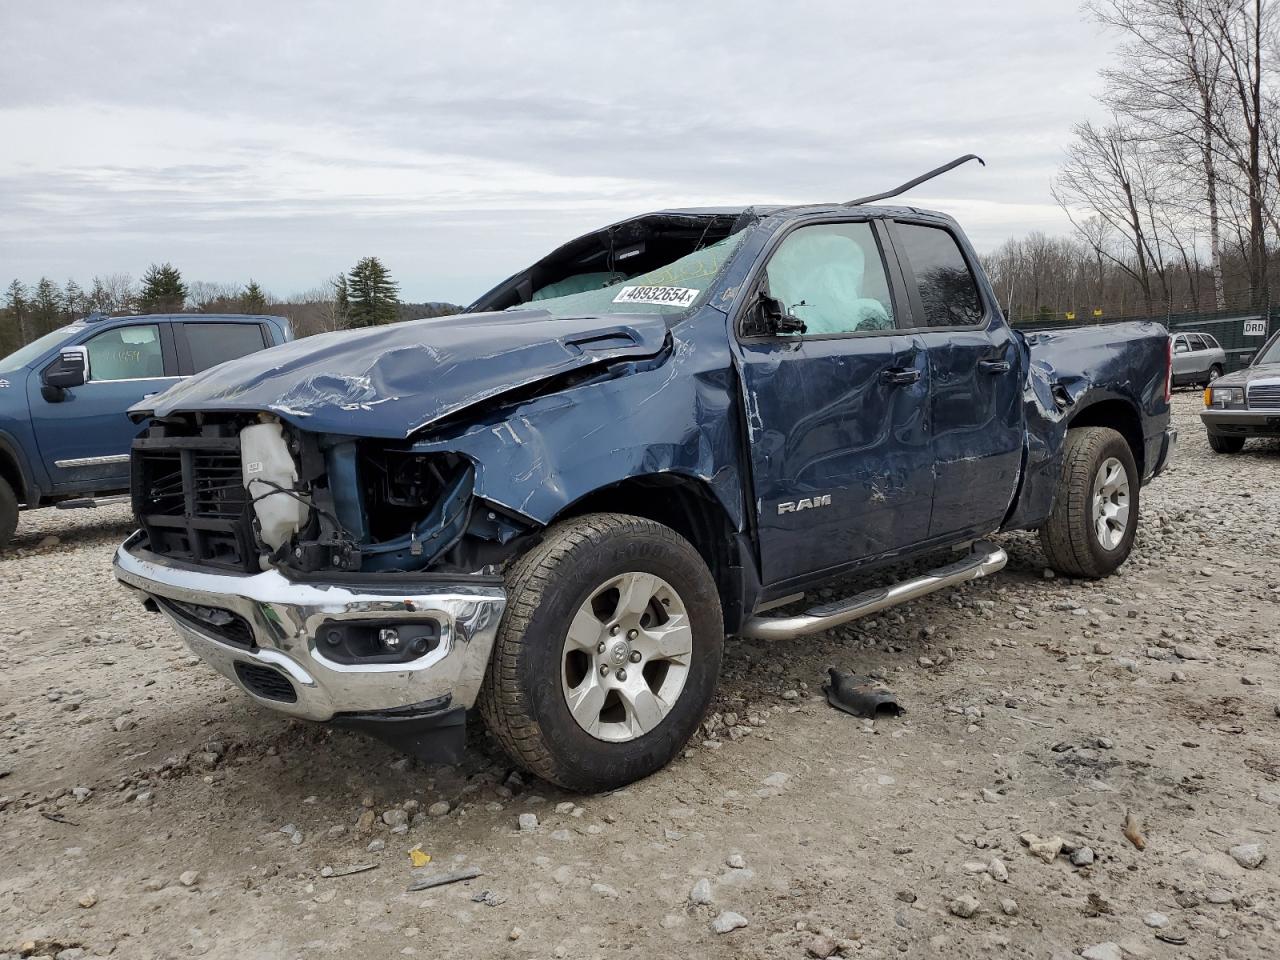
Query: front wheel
x=1095, y=510
x=1223, y=443
x=608, y=654
x=8, y=513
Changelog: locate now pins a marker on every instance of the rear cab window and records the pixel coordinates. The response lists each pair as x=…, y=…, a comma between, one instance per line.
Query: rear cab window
x=205, y=345
x=947, y=289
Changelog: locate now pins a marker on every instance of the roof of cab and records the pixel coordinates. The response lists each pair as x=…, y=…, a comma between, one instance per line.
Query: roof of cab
x=186, y=317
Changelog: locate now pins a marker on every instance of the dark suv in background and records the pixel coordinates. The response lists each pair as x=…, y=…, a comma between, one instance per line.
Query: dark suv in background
x=64, y=432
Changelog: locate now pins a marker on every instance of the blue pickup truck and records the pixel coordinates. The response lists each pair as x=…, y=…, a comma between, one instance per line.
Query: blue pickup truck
x=64, y=398
x=555, y=506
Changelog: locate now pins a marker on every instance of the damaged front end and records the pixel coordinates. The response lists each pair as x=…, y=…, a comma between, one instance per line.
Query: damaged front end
x=253, y=493
x=334, y=579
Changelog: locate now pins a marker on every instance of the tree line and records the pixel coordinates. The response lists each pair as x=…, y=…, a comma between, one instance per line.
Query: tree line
x=1174, y=198
x=364, y=296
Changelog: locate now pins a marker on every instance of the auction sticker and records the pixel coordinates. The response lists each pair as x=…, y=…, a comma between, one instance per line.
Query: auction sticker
x=664, y=296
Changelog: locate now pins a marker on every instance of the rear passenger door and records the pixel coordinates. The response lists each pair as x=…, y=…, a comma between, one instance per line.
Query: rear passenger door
x=207, y=343
x=975, y=381
x=1184, y=361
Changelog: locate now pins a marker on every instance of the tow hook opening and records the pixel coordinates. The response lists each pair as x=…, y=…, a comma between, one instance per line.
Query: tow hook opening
x=377, y=641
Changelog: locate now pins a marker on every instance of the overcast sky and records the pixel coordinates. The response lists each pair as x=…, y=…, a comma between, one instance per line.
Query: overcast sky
x=460, y=141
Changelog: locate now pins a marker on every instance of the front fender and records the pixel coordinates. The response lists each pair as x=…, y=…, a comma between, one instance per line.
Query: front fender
x=679, y=416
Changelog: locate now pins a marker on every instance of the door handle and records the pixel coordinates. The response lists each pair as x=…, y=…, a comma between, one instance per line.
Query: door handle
x=995, y=366
x=899, y=376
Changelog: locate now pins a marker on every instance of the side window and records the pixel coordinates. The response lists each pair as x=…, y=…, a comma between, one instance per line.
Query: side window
x=1195, y=342
x=948, y=290
x=832, y=277
x=215, y=343
x=1180, y=345
x=1211, y=342
x=126, y=353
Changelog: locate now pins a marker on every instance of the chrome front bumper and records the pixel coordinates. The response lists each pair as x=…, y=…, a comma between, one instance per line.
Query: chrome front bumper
x=1245, y=423
x=285, y=617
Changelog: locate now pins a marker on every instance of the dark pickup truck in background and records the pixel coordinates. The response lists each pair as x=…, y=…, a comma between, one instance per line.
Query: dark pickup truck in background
x=557, y=505
x=64, y=398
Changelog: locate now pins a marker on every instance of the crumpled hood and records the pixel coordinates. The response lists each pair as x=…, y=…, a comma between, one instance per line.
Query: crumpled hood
x=393, y=380
x=1263, y=373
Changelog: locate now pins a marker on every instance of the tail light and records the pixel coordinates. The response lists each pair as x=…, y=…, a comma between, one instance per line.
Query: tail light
x=1168, y=371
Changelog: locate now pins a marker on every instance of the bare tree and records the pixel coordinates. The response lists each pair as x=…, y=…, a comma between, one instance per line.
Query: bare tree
x=1236, y=28
x=1107, y=175
x=1169, y=81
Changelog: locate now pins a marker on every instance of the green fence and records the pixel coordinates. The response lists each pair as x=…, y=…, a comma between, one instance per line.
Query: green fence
x=1241, y=332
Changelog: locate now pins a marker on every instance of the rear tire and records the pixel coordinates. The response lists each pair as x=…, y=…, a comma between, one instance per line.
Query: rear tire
x=8, y=513
x=1094, y=521
x=557, y=644
x=1222, y=443
x=1214, y=373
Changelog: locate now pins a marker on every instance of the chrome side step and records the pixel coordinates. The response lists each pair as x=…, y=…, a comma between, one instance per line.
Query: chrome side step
x=984, y=559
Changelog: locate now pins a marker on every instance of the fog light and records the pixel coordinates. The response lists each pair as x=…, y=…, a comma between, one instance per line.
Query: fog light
x=389, y=637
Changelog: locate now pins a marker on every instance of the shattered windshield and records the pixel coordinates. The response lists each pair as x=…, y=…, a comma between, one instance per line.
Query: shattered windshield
x=669, y=289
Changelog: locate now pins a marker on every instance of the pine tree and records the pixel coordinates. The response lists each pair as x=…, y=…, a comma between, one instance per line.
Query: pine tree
x=162, y=290
x=373, y=295
x=16, y=301
x=46, y=306
x=340, y=306
x=74, y=302
x=253, y=300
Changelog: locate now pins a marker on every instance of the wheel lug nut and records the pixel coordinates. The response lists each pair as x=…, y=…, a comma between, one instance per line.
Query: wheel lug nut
x=604, y=669
x=635, y=656
x=600, y=647
x=632, y=634
x=613, y=631
x=622, y=675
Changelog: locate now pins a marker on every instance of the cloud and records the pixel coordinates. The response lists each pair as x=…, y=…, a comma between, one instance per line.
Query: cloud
x=283, y=141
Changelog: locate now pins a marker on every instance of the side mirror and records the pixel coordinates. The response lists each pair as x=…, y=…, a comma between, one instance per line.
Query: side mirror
x=71, y=369
x=772, y=317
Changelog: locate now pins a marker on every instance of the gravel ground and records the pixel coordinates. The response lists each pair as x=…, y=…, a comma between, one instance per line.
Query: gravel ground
x=149, y=811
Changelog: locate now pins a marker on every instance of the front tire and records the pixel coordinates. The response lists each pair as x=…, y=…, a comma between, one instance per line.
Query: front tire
x=8, y=513
x=1094, y=521
x=1223, y=443
x=608, y=654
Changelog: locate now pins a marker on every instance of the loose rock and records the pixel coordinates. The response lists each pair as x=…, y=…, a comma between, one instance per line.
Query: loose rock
x=728, y=921
x=701, y=892
x=1248, y=855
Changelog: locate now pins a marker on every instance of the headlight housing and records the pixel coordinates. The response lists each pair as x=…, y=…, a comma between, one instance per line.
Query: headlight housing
x=1224, y=397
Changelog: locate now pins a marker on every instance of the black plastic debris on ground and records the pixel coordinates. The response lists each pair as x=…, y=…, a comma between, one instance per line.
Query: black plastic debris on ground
x=861, y=696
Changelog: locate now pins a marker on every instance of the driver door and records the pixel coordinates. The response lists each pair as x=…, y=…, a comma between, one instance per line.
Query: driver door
x=836, y=414
x=83, y=434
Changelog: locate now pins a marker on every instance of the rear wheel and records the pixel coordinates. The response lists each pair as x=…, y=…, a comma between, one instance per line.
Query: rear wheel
x=608, y=654
x=1214, y=373
x=1223, y=443
x=1095, y=511
x=8, y=513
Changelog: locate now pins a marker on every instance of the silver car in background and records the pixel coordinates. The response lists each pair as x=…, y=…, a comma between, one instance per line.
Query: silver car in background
x=1198, y=359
